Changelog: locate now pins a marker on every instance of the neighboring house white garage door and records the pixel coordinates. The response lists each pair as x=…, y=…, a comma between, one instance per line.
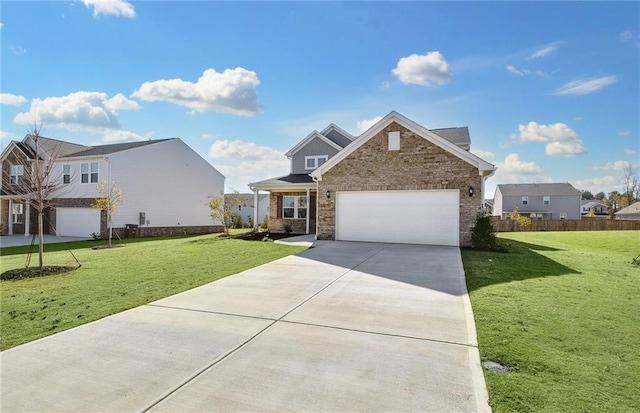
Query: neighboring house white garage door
x=411, y=217
x=77, y=222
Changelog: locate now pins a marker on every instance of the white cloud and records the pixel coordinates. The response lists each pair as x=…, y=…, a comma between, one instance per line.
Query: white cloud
x=513, y=70
x=386, y=85
x=111, y=7
x=232, y=91
x=425, y=70
x=515, y=170
x=119, y=136
x=1, y=25
x=17, y=49
x=545, y=50
x=612, y=166
x=577, y=118
x=585, y=86
x=365, y=124
x=627, y=35
x=77, y=111
x=560, y=139
x=630, y=152
x=11, y=100
x=565, y=149
x=606, y=184
x=624, y=133
x=245, y=162
x=514, y=165
x=484, y=154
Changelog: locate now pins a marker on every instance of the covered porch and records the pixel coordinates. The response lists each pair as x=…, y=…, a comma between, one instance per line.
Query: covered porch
x=292, y=203
x=15, y=213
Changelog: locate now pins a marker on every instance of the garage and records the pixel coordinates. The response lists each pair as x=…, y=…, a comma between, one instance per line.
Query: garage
x=411, y=217
x=77, y=222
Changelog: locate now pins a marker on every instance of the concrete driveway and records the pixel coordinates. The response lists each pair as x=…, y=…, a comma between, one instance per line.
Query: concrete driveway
x=341, y=327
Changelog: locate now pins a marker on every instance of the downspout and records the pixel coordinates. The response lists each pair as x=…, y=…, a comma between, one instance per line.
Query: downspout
x=317, y=205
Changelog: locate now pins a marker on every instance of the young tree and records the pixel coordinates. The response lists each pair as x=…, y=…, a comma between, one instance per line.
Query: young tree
x=109, y=199
x=521, y=220
x=630, y=184
x=222, y=208
x=36, y=183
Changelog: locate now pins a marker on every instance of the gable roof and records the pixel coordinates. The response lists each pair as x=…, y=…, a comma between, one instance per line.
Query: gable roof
x=459, y=136
x=425, y=133
x=56, y=147
x=632, y=209
x=591, y=202
x=313, y=135
x=113, y=148
x=333, y=129
x=556, y=189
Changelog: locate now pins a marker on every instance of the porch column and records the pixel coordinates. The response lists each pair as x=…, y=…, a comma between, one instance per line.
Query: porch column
x=308, y=209
x=10, y=218
x=27, y=217
x=255, y=208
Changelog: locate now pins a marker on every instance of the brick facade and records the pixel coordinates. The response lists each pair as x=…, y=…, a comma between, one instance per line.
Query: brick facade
x=418, y=165
x=298, y=226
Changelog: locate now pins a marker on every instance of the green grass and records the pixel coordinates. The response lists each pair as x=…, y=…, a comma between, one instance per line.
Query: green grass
x=562, y=309
x=116, y=279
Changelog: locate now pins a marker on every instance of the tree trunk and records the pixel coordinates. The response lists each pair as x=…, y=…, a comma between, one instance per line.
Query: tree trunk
x=40, y=234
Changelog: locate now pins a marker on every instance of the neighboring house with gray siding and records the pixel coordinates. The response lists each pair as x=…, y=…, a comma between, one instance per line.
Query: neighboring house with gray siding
x=165, y=186
x=598, y=208
x=538, y=201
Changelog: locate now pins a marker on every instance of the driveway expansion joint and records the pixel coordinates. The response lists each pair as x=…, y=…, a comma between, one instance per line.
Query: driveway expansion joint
x=196, y=310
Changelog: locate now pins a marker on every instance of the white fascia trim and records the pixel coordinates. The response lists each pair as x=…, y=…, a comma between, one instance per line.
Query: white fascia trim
x=8, y=150
x=309, y=138
x=337, y=129
x=394, y=116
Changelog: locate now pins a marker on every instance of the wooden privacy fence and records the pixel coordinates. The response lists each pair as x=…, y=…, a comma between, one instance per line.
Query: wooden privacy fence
x=587, y=224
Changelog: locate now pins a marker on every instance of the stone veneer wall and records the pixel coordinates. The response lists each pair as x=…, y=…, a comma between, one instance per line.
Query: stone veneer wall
x=418, y=165
x=4, y=216
x=298, y=226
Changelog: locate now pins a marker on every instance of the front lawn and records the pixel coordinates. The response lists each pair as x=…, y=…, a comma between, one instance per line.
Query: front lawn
x=562, y=310
x=117, y=279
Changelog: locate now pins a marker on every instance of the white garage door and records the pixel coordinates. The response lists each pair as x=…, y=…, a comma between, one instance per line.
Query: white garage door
x=411, y=217
x=77, y=222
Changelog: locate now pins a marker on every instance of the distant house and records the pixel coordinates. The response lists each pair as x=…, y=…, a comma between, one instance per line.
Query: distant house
x=247, y=208
x=630, y=212
x=597, y=207
x=538, y=201
x=165, y=186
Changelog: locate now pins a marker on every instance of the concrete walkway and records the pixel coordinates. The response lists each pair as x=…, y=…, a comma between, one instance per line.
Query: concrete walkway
x=340, y=327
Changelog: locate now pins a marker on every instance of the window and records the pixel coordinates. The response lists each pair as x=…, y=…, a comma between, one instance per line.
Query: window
x=563, y=215
x=16, y=174
x=17, y=213
x=312, y=162
x=536, y=215
x=66, y=174
x=89, y=172
x=525, y=200
x=294, y=207
x=546, y=199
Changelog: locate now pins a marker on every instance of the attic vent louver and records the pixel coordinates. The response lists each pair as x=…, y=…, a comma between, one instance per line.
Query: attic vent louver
x=394, y=141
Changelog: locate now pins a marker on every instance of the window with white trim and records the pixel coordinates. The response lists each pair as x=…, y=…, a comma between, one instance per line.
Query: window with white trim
x=16, y=174
x=66, y=174
x=294, y=207
x=525, y=200
x=563, y=215
x=89, y=173
x=312, y=162
x=17, y=213
x=546, y=200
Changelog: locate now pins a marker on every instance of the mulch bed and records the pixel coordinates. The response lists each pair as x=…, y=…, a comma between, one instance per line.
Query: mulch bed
x=33, y=272
x=259, y=236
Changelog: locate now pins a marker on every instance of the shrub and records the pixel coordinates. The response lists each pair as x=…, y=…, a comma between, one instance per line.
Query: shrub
x=237, y=221
x=483, y=235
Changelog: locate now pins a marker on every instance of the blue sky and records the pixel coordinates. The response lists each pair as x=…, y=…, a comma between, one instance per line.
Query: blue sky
x=549, y=90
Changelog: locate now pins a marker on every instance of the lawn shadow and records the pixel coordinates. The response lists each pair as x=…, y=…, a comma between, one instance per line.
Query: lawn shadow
x=522, y=262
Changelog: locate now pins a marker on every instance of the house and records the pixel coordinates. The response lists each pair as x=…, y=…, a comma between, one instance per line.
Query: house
x=537, y=201
x=593, y=206
x=397, y=182
x=165, y=186
x=630, y=212
x=246, y=207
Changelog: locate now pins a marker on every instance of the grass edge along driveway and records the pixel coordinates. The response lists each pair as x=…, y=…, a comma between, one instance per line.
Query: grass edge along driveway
x=561, y=309
x=113, y=280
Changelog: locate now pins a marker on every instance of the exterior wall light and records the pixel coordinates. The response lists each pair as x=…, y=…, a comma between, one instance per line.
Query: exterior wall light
x=470, y=191
x=328, y=194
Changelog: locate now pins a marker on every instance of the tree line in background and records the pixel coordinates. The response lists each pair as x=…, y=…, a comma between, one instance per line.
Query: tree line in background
x=617, y=200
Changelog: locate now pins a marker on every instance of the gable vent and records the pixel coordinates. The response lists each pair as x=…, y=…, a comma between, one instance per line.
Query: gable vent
x=394, y=141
